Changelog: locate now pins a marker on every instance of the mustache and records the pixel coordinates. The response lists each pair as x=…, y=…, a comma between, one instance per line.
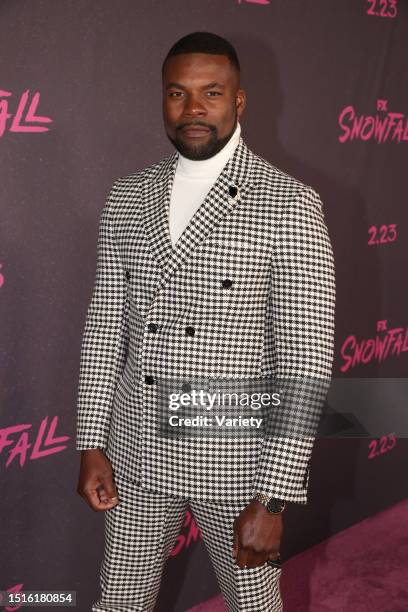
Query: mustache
x=196, y=124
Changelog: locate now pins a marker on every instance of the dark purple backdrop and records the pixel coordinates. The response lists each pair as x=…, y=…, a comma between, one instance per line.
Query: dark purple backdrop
x=96, y=68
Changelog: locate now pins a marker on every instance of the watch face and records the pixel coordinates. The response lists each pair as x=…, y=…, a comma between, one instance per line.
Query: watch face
x=275, y=505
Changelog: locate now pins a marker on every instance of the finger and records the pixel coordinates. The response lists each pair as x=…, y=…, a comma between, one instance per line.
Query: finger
x=92, y=498
x=97, y=498
x=274, y=555
x=242, y=558
x=103, y=497
x=110, y=492
x=274, y=561
x=256, y=559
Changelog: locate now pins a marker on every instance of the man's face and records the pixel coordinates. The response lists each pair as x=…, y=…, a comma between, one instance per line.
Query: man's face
x=201, y=91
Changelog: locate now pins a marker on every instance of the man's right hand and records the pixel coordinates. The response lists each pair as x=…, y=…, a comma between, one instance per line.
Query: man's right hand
x=96, y=484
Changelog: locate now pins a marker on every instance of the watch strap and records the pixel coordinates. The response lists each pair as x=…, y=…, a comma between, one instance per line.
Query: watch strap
x=273, y=504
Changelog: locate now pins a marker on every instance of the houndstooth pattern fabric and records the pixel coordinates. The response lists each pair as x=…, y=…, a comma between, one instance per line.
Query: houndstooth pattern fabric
x=139, y=535
x=264, y=232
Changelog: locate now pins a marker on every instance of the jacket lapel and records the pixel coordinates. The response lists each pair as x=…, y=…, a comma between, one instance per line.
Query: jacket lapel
x=217, y=204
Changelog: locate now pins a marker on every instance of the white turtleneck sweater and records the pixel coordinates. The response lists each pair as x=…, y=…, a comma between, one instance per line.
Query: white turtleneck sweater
x=192, y=181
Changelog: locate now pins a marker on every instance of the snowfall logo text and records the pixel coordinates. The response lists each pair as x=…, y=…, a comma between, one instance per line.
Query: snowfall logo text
x=23, y=115
x=382, y=127
x=387, y=343
x=23, y=441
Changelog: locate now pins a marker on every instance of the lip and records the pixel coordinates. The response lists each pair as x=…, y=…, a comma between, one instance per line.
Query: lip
x=195, y=132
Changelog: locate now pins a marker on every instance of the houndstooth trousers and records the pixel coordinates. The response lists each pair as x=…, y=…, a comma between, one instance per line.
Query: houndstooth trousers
x=140, y=533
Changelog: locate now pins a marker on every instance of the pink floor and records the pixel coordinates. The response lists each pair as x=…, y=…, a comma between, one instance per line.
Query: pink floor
x=361, y=569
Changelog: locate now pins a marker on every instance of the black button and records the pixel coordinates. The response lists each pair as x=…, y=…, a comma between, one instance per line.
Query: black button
x=149, y=380
x=227, y=282
x=152, y=327
x=232, y=191
x=127, y=274
x=190, y=331
x=186, y=387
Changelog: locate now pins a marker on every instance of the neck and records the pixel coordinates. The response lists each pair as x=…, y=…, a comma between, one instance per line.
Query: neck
x=209, y=168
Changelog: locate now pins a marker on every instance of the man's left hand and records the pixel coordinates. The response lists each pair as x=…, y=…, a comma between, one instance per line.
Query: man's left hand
x=257, y=535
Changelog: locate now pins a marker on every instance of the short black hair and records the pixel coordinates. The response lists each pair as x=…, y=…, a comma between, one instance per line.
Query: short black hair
x=204, y=42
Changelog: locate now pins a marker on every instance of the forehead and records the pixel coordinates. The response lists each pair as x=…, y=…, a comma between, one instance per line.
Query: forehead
x=196, y=68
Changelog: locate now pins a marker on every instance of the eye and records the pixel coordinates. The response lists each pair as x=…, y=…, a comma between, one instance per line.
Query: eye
x=177, y=94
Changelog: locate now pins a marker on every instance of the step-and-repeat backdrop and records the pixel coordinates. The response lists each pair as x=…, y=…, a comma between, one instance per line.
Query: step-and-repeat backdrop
x=80, y=105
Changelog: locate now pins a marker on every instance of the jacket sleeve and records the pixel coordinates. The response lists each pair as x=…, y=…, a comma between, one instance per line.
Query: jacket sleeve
x=301, y=321
x=105, y=338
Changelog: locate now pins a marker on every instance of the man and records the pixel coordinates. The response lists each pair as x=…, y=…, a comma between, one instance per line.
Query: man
x=212, y=263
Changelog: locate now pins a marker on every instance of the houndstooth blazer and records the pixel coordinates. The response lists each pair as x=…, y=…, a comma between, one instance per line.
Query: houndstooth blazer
x=247, y=291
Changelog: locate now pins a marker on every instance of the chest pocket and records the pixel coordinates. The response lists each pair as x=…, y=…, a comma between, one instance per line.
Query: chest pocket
x=227, y=271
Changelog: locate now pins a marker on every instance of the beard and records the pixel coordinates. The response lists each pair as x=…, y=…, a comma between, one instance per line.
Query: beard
x=201, y=151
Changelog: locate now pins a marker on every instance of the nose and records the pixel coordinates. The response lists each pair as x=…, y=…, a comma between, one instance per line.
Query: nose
x=193, y=107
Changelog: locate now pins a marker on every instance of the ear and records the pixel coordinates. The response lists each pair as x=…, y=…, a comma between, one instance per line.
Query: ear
x=240, y=101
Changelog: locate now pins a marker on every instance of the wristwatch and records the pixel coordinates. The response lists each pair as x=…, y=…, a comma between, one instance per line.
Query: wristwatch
x=272, y=504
